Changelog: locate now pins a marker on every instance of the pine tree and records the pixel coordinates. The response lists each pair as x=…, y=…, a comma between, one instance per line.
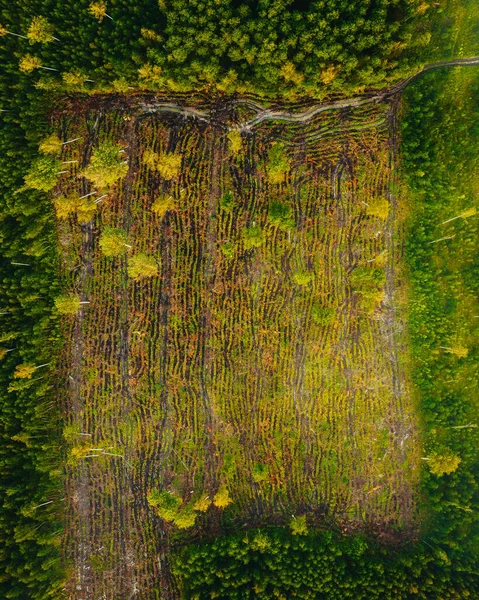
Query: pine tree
x=43, y=174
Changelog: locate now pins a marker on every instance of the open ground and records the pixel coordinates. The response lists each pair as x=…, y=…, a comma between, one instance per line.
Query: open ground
x=267, y=357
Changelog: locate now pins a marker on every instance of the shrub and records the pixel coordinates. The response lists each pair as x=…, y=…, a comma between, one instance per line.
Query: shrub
x=260, y=472
x=278, y=163
x=227, y=201
x=280, y=215
x=185, y=518
x=235, y=141
x=253, y=237
x=202, y=504
x=222, y=497
x=378, y=207
x=150, y=158
x=113, y=241
x=368, y=283
x=302, y=277
x=169, y=165
x=228, y=250
x=322, y=315
x=167, y=504
x=162, y=205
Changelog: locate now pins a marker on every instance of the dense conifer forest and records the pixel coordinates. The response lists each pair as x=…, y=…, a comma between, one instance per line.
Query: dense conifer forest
x=196, y=205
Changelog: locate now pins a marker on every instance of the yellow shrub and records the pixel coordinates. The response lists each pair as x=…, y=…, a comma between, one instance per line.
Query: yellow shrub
x=202, y=504
x=222, y=497
x=378, y=207
x=236, y=144
x=162, y=205
x=169, y=165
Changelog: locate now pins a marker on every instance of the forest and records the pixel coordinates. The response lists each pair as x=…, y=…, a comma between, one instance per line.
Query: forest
x=126, y=297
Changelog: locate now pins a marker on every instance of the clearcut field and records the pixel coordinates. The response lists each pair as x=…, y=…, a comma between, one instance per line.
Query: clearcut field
x=265, y=363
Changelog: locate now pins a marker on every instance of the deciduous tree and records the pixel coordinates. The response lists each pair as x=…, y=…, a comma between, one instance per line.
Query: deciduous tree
x=142, y=265
x=98, y=10
x=113, y=241
x=106, y=166
x=29, y=63
x=443, y=464
x=68, y=304
x=41, y=30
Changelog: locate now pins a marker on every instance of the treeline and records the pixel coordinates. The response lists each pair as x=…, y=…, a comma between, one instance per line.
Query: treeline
x=262, y=565
x=274, y=47
x=441, y=156
x=30, y=432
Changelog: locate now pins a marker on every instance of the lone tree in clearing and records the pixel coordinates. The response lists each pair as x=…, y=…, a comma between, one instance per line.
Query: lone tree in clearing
x=113, y=241
x=68, y=304
x=162, y=205
x=41, y=30
x=443, y=465
x=106, y=166
x=83, y=208
x=142, y=265
x=43, y=174
x=168, y=165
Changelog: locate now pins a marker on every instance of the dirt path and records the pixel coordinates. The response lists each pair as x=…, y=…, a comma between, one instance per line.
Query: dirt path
x=308, y=114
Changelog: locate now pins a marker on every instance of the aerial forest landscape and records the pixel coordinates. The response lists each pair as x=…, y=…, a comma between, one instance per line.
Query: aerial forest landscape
x=239, y=300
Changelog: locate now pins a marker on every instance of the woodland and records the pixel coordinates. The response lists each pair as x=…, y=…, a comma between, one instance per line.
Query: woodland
x=239, y=278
